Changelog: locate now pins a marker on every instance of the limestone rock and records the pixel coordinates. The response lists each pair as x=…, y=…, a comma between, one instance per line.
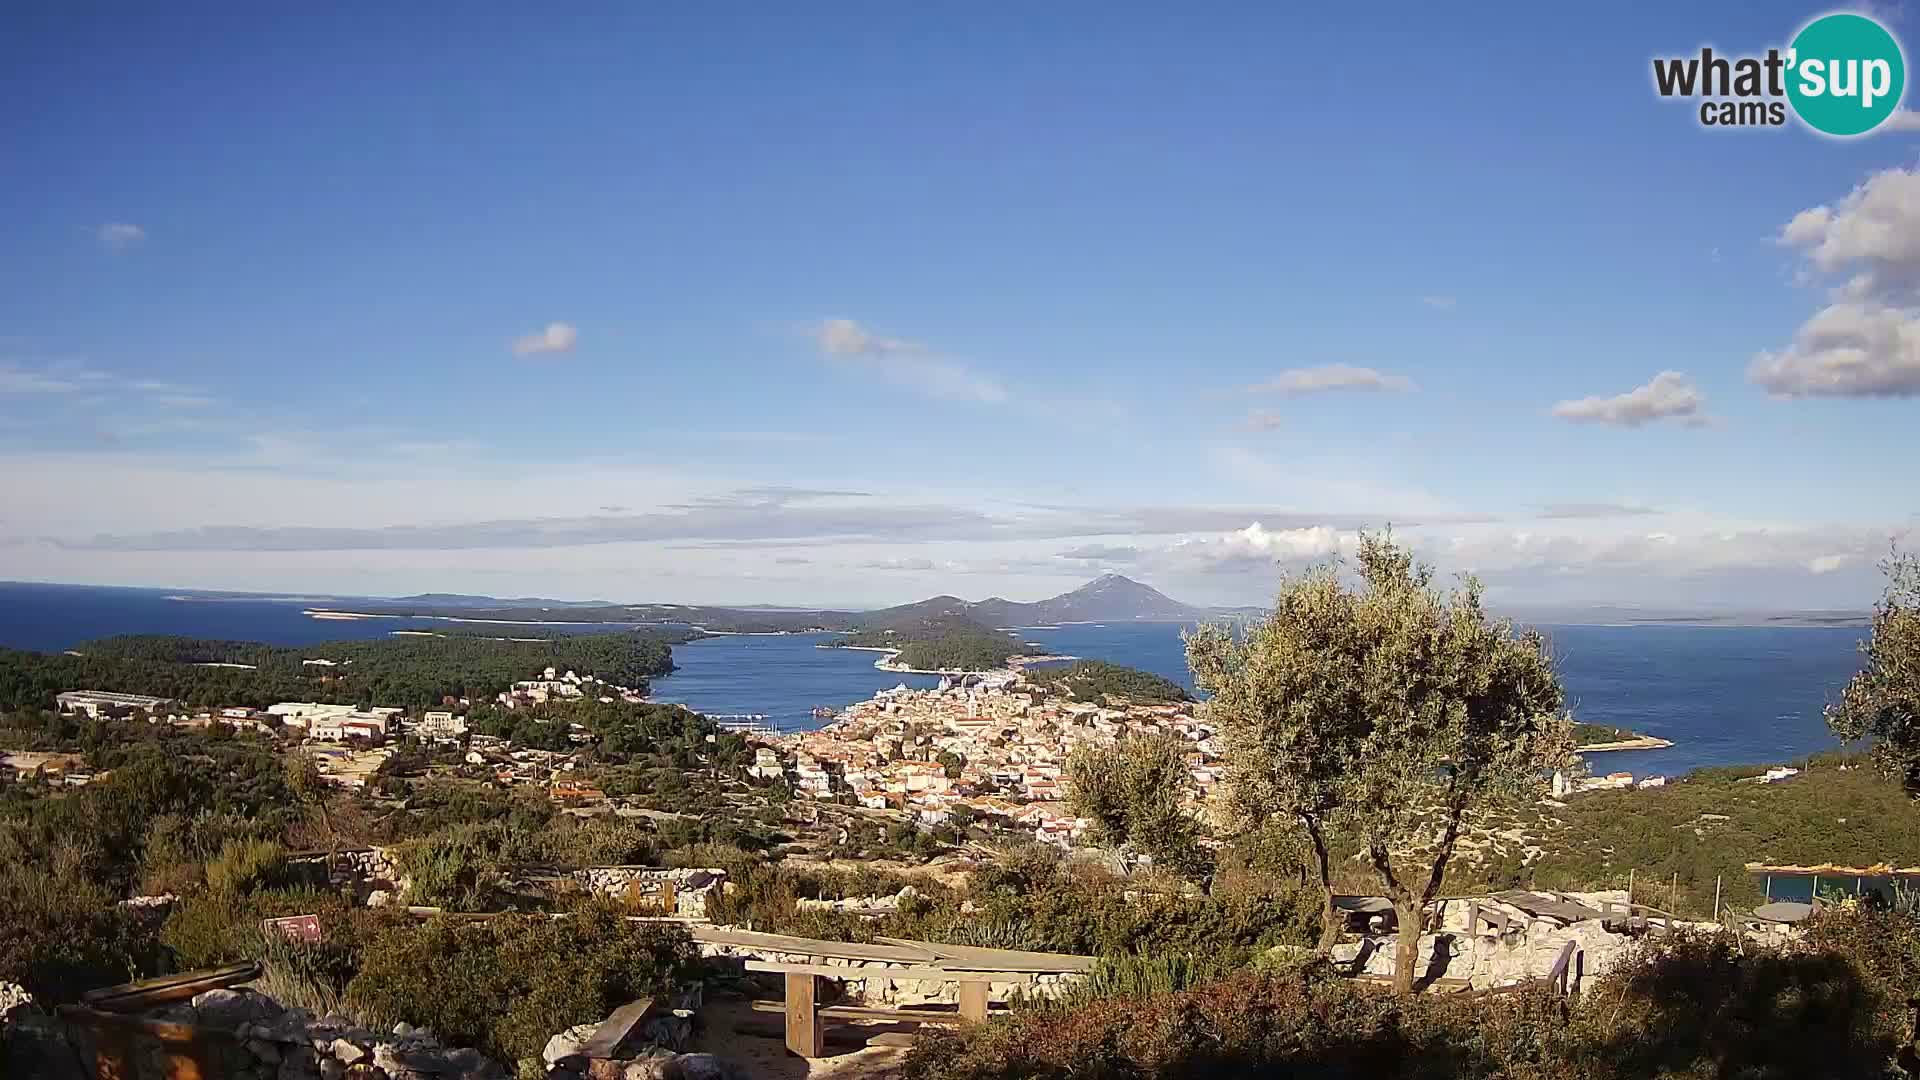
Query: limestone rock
x=702, y=1067
x=563, y=1050
x=228, y=1009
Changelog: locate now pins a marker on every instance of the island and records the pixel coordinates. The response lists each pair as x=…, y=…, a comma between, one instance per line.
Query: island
x=1594, y=738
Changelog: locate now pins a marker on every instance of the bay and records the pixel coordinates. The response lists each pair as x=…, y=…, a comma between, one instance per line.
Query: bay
x=1724, y=695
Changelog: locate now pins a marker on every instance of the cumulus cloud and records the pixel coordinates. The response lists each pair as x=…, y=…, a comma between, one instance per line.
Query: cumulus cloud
x=908, y=363
x=1669, y=396
x=1328, y=377
x=1866, y=341
x=1846, y=350
x=558, y=337
x=119, y=236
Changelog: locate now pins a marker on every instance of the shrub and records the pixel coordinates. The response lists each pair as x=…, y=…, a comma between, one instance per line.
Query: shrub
x=246, y=865
x=507, y=984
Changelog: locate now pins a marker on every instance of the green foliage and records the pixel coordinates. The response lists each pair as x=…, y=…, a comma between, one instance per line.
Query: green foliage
x=1596, y=734
x=507, y=984
x=1390, y=710
x=1030, y=898
x=1708, y=826
x=1135, y=792
x=246, y=865
x=1095, y=680
x=60, y=931
x=410, y=671
x=1882, y=702
x=960, y=651
x=937, y=641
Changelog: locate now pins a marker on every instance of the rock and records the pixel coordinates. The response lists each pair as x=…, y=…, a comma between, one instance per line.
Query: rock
x=403, y=1028
x=228, y=1009
x=563, y=1050
x=346, y=1053
x=701, y=1067
x=651, y=1064
x=264, y=1050
x=331, y=1069
x=14, y=997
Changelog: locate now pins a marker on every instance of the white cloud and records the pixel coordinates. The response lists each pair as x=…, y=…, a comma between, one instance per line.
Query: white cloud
x=1438, y=303
x=1827, y=564
x=908, y=363
x=1263, y=420
x=1872, y=235
x=558, y=337
x=119, y=236
x=1669, y=396
x=1902, y=120
x=1318, y=380
x=1866, y=341
x=1846, y=350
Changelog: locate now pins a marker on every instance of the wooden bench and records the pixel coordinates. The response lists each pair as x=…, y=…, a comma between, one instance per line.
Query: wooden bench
x=804, y=1031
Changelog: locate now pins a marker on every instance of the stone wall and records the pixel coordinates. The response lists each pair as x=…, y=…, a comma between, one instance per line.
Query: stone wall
x=691, y=886
x=1527, y=950
x=248, y=1037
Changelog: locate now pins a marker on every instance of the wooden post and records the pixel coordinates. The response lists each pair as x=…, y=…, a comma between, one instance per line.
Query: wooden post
x=1630, y=872
x=1716, y=898
x=1674, y=904
x=804, y=1036
x=669, y=897
x=113, y=1057
x=973, y=1001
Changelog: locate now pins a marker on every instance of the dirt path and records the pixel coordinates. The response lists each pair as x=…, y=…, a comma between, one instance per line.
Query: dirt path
x=767, y=1058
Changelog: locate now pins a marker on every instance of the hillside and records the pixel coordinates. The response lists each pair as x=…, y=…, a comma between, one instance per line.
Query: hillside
x=1108, y=598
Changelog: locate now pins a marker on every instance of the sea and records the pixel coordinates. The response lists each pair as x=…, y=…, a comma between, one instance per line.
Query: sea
x=1725, y=695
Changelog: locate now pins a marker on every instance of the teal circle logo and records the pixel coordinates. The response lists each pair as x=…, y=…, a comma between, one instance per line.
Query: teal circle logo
x=1846, y=74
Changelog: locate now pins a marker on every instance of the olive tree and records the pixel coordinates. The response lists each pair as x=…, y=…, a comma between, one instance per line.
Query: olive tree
x=1386, y=712
x=1135, y=793
x=1882, y=701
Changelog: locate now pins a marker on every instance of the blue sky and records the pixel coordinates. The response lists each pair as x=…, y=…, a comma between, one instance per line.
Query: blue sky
x=876, y=302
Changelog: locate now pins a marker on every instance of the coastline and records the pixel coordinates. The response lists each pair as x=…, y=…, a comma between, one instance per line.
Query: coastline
x=1642, y=742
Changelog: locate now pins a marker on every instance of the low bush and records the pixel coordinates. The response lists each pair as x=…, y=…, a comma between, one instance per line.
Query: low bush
x=1683, y=1008
x=507, y=984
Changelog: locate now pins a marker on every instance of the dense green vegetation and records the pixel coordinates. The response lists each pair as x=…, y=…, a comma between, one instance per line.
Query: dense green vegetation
x=1882, y=702
x=410, y=671
x=1596, y=734
x=1709, y=825
x=1123, y=788
x=506, y=985
x=1096, y=680
x=1387, y=711
x=937, y=641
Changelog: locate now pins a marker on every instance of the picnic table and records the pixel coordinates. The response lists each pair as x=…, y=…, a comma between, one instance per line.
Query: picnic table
x=974, y=969
x=1787, y=912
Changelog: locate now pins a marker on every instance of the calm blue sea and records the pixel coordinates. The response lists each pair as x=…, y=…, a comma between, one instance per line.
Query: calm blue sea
x=1725, y=695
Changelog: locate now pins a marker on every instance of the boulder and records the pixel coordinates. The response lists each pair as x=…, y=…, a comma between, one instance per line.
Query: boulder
x=563, y=1050
x=228, y=1009
x=702, y=1067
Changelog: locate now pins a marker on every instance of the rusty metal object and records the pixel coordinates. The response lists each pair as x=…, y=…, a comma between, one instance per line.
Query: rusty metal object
x=151, y=993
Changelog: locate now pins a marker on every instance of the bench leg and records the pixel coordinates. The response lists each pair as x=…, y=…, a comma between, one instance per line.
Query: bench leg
x=804, y=1035
x=973, y=1001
